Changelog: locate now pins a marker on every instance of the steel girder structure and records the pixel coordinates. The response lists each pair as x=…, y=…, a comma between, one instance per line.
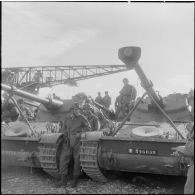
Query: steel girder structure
x=44, y=76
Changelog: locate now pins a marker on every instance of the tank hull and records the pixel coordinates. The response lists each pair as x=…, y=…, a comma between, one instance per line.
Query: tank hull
x=42, y=152
x=142, y=156
x=19, y=151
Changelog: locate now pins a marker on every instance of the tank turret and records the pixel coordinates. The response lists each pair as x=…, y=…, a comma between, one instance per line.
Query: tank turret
x=49, y=109
x=49, y=103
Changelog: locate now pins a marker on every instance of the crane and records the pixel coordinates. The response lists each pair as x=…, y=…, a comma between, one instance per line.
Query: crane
x=34, y=77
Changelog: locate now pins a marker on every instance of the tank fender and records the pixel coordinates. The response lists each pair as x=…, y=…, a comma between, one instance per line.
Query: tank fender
x=51, y=138
x=91, y=135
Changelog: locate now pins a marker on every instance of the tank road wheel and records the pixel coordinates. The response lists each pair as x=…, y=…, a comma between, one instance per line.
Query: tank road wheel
x=49, y=153
x=89, y=159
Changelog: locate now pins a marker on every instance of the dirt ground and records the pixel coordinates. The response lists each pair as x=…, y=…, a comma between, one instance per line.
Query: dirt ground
x=23, y=180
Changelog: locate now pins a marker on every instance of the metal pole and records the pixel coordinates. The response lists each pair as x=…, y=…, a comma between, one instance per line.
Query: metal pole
x=14, y=101
x=24, y=94
x=128, y=115
x=142, y=124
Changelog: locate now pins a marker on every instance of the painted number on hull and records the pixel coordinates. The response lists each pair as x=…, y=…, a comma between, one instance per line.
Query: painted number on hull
x=142, y=151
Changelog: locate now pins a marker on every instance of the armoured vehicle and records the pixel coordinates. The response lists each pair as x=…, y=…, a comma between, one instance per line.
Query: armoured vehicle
x=142, y=142
x=36, y=143
x=145, y=143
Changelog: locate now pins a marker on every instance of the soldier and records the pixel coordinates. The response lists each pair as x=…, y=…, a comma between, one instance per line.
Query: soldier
x=106, y=100
x=99, y=98
x=73, y=126
x=92, y=118
x=127, y=97
x=128, y=90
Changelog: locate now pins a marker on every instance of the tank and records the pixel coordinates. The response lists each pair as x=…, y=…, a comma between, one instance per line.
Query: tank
x=143, y=142
x=36, y=143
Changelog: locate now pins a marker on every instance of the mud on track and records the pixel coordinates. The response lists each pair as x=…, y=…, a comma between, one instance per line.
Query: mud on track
x=20, y=180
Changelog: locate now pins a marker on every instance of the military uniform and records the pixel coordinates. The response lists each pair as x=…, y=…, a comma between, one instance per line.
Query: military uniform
x=128, y=92
x=107, y=101
x=123, y=102
x=99, y=100
x=72, y=128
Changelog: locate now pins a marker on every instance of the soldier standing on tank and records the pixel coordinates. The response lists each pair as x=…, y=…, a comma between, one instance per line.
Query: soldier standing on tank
x=106, y=100
x=127, y=97
x=73, y=126
x=99, y=98
x=128, y=91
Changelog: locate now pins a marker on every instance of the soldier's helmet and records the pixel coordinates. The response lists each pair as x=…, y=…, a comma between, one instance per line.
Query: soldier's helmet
x=125, y=80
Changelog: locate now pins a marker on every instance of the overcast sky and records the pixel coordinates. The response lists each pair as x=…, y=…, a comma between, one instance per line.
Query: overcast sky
x=67, y=33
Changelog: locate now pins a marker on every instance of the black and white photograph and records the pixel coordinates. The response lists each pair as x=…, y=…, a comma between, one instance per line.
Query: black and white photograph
x=97, y=97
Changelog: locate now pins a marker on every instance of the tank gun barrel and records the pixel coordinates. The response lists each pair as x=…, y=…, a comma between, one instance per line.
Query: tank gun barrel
x=49, y=103
x=130, y=56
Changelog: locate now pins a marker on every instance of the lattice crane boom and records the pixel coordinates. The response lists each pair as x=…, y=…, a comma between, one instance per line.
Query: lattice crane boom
x=44, y=76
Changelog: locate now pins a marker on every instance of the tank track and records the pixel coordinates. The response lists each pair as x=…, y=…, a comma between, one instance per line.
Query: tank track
x=48, y=159
x=89, y=160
